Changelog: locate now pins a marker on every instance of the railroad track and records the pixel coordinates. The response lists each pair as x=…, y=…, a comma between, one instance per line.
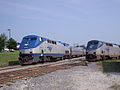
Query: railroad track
x=11, y=74
x=18, y=67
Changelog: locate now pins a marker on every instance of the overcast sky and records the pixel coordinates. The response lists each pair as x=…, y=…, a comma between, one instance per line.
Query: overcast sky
x=70, y=21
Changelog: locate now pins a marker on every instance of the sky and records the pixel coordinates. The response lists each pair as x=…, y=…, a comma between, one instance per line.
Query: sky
x=70, y=21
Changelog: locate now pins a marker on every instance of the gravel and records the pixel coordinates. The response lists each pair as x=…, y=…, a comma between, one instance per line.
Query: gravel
x=77, y=78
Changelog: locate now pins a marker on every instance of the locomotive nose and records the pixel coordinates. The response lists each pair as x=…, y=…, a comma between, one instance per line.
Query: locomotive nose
x=26, y=45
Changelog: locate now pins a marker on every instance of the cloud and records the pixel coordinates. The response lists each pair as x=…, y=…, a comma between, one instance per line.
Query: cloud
x=50, y=14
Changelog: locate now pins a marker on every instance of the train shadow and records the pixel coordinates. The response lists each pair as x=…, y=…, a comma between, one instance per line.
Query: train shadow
x=111, y=67
x=12, y=63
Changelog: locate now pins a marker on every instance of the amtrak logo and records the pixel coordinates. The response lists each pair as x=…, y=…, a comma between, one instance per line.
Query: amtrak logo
x=50, y=48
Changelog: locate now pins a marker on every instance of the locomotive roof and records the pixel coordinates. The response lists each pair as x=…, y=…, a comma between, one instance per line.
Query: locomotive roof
x=30, y=36
x=104, y=42
x=36, y=36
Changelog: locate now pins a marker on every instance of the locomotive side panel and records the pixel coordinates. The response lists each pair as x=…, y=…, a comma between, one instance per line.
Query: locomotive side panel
x=77, y=51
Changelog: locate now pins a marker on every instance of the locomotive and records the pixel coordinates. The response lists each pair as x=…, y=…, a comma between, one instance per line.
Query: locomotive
x=35, y=49
x=99, y=50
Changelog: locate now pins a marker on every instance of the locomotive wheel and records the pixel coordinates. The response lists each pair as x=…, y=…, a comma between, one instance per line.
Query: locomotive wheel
x=42, y=59
x=21, y=63
x=62, y=58
x=48, y=59
x=45, y=59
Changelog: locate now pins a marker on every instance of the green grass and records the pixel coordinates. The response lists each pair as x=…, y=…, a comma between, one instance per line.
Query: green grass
x=9, y=58
x=113, y=60
x=99, y=63
x=109, y=65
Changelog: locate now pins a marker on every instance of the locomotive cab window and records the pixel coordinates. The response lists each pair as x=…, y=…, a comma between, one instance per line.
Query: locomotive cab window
x=33, y=38
x=25, y=39
x=49, y=41
x=53, y=42
x=107, y=44
x=92, y=45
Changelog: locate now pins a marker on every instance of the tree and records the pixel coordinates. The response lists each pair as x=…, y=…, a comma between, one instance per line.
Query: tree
x=3, y=39
x=11, y=44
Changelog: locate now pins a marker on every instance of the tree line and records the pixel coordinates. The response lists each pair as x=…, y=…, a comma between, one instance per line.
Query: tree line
x=9, y=43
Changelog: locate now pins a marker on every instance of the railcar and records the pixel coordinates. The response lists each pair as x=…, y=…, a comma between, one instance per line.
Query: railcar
x=35, y=49
x=99, y=50
x=77, y=52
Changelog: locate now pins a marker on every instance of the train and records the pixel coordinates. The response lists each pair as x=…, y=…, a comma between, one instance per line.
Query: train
x=77, y=51
x=99, y=50
x=34, y=49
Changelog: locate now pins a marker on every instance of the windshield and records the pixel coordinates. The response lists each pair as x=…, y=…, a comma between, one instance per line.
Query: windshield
x=94, y=45
x=30, y=41
x=27, y=39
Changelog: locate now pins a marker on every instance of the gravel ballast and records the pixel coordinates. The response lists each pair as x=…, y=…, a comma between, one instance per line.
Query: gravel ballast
x=77, y=78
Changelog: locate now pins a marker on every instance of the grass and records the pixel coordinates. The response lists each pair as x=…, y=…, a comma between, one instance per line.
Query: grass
x=9, y=58
x=113, y=60
x=99, y=63
x=110, y=65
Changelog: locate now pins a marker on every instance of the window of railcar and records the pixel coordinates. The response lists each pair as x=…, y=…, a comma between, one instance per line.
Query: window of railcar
x=111, y=45
x=52, y=42
x=47, y=41
x=107, y=44
x=55, y=42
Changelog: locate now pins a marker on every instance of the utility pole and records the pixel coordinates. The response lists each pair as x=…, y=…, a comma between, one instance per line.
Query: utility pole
x=9, y=30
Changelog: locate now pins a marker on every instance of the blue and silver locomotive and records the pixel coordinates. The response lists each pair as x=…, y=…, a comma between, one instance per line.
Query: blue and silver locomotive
x=35, y=49
x=99, y=50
